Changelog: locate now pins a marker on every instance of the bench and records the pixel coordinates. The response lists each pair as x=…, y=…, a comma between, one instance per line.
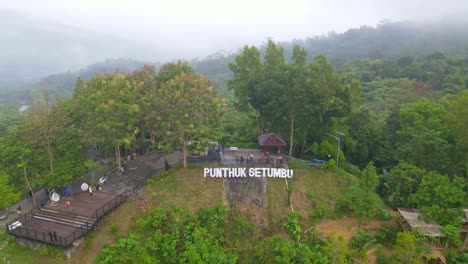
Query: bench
x=233, y=148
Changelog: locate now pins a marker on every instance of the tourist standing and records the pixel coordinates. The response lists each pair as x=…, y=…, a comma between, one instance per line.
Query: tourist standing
x=54, y=234
x=51, y=235
x=90, y=190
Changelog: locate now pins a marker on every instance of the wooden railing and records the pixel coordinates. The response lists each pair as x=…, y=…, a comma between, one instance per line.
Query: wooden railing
x=80, y=232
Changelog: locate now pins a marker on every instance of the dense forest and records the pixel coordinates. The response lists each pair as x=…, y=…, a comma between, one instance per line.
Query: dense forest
x=400, y=106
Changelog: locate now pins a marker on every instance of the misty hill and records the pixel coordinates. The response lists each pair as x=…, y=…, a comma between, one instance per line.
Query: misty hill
x=71, y=47
x=32, y=49
x=62, y=85
x=389, y=40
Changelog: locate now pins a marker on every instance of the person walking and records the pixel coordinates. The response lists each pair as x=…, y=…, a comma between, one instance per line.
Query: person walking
x=51, y=235
x=68, y=206
x=90, y=190
x=54, y=234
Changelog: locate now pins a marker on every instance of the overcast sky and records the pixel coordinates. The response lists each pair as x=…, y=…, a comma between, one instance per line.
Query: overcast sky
x=189, y=28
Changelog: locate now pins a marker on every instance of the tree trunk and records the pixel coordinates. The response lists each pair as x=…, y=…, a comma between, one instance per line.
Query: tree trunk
x=184, y=153
x=117, y=156
x=29, y=185
x=304, y=143
x=153, y=140
x=259, y=122
x=49, y=153
x=291, y=138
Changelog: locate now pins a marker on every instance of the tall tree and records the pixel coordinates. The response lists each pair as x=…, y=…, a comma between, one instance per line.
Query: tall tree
x=441, y=199
x=188, y=110
x=423, y=136
x=247, y=70
x=108, y=110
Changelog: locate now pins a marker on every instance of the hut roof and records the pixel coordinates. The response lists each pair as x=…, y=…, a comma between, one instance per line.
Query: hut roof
x=271, y=139
x=414, y=219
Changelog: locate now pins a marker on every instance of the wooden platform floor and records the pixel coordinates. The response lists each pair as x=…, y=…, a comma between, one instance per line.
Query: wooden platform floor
x=81, y=203
x=64, y=221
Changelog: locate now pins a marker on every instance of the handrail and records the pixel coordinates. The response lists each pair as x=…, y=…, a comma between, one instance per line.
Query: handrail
x=66, y=241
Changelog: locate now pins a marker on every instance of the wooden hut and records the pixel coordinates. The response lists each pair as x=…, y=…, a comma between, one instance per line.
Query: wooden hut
x=271, y=143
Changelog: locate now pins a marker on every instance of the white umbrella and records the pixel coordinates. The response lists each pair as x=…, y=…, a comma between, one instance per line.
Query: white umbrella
x=55, y=197
x=84, y=187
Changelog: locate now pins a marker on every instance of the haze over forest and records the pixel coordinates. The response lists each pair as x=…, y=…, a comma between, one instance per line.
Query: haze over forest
x=54, y=37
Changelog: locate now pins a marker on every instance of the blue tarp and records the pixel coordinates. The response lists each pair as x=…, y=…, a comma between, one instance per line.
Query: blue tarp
x=67, y=191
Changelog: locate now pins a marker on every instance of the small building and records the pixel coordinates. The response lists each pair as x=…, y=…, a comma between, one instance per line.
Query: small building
x=414, y=220
x=271, y=143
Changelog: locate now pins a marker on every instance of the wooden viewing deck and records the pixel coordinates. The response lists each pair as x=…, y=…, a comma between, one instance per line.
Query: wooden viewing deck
x=69, y=225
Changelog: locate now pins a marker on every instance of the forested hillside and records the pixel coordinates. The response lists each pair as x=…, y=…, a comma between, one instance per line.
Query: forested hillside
x=387, y=105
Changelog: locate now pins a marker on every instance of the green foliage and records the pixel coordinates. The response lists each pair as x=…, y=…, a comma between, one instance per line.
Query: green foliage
x=292, y=225
x=9, y=193
x=406, y=250
x=398, y=185
x=114, y=229
x=362, y=240
x=441, y=199
x=52, y=251
x=453, y=256
x=10, y=118
x=386, y=236
x=452, y=234
x=360, y=197
x=186, y=108
x=368, y=179
x=363, y=204
x=297, y=165
x=351, y=169
x=295, y=99
x=212, y=235
x=381, y=256
x=423, y=136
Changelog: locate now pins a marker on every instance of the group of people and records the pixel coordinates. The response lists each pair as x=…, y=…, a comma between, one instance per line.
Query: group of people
x=249, y=160
x=52, y=235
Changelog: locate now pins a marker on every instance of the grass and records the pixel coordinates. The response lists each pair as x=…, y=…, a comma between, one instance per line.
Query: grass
x=185, y=188
x=310, y=190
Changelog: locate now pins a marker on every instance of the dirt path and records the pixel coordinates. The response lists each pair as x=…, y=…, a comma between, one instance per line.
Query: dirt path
x=345, y=227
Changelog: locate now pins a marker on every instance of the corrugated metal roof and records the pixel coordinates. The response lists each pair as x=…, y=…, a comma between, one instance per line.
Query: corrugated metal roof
x=414, y=219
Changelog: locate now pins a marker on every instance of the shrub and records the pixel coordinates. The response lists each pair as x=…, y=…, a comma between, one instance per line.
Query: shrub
x=51, y=251
x=150, y=181
x=386, y=236
x=297, y=165
x=114, y=229
x=351, y=169
x=362, y=239
x=381, y=257
x=320, y=212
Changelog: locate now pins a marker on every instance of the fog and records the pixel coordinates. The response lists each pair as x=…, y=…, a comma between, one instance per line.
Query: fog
x=85, y=31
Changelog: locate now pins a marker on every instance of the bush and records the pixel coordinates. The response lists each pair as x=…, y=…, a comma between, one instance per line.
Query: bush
x=456, y=258
x=362, y=240
x=331, y=164
x=386, y=236
x=114, y=229
x=351, y=169
x=297, y=165
x=381, y=257
x=320, y=212
x=385, y=215
x=150, y=181
x=51, y=251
